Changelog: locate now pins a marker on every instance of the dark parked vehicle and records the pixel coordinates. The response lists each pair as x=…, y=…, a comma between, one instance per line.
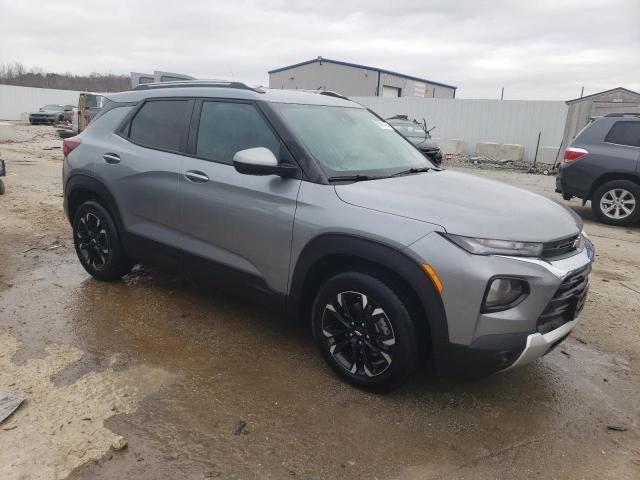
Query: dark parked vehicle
x=603, y=165
x=417, y=134
x=48, y=114
x=3, y=172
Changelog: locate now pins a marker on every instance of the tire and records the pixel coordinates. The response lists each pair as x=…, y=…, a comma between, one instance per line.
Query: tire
x=97, y=243
x=2, y=189
x=381, y=337
x=617, y=203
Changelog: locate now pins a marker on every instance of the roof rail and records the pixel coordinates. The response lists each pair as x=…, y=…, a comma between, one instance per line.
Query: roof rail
x=633, y=114
x=200, y=83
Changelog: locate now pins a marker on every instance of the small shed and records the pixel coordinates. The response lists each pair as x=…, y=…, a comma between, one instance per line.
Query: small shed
x=616, y=100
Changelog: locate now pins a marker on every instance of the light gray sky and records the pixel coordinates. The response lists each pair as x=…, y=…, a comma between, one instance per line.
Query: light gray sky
x=541, y=49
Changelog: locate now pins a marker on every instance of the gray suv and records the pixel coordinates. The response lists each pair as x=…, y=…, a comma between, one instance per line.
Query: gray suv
x=314, y=205
x=603, y=165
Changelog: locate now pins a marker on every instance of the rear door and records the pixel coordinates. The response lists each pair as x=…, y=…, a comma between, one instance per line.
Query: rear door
x=623, y=141
x=244, y=222
x=141, y=166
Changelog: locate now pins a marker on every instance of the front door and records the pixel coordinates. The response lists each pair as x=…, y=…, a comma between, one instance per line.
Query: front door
x=240, y=221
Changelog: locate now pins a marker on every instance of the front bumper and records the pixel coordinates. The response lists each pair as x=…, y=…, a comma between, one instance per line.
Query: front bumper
x=482, y=343
x=35, y=118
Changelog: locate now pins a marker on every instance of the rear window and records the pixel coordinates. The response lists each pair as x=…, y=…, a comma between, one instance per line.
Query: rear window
x=624, y=133
x=161, y=124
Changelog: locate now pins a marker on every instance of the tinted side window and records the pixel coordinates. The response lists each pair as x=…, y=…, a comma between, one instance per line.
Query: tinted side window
x=624, y=133
x=161, y=124
x=227, y=128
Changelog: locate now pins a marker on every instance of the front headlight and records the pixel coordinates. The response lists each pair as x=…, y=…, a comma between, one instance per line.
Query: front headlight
x=486, y=246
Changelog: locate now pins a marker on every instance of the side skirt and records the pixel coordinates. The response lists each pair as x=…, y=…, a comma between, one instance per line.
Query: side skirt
x=212, y=274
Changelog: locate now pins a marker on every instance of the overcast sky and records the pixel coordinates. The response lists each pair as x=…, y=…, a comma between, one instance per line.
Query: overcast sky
x=540, y=49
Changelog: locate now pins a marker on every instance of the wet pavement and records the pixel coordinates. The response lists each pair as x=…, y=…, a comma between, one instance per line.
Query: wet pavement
x=171, y=366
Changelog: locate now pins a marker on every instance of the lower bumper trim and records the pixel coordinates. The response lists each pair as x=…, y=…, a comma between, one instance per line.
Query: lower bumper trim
x=539, y=344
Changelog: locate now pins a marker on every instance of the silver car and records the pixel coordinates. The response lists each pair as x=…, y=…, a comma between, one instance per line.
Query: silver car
x=314, y=205
x=48, y=114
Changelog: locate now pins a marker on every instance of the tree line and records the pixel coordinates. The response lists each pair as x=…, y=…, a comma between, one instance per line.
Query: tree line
x=17, y=74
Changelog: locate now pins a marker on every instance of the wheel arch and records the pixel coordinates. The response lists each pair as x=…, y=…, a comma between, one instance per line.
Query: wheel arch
x=81, y=188
x=329, y=254
x=610, y=176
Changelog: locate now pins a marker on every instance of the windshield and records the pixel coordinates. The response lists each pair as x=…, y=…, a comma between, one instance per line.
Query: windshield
x=410, y=130
x=56, y=108
x=350, y=140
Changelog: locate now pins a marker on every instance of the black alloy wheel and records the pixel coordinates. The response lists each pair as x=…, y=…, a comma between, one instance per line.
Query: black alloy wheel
x=359, y=334
x=92, y=241
x=365, y=332
x=97, y=243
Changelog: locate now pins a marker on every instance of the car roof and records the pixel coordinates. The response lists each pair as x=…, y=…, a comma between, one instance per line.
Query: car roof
x=259, y=94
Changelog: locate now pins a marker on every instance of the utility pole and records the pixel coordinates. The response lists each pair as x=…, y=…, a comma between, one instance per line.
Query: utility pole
x=502, y=94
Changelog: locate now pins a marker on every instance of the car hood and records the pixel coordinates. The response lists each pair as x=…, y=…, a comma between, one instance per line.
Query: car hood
x=50, y=112
x=467, y=205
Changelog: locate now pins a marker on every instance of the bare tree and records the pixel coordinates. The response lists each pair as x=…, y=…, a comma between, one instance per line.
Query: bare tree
x=17, y=74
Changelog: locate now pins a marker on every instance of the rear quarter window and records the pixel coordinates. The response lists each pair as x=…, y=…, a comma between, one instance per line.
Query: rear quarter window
x=624, y=133
x=161, y=124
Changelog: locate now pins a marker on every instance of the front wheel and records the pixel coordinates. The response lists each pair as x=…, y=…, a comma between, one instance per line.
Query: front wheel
x=365, y=332
x=617, y=203
x=97, y=243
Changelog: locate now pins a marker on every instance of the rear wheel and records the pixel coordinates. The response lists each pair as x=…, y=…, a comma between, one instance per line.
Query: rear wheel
x=617, y=203
x=365, y=332
x=97, y=243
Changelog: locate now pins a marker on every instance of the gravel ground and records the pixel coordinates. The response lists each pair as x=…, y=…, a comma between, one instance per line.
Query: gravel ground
x=170, y=368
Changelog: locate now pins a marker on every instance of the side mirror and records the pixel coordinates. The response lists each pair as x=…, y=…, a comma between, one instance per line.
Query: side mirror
x=261, y=161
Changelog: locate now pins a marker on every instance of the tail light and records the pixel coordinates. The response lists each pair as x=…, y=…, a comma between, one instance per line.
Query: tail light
x=572, y=154
x=70, y=144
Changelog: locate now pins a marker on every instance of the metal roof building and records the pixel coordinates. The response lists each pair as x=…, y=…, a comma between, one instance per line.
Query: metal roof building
x=616, y=100
x=355, y=80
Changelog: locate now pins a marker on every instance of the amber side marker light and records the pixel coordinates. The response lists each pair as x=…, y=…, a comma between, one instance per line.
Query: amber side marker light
x=433, y=276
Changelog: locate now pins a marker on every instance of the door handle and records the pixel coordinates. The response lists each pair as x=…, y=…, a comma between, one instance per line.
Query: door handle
x=111, y=158
x=196, y=176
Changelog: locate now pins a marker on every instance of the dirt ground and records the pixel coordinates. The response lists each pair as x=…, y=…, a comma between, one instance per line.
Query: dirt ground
x=166, y=366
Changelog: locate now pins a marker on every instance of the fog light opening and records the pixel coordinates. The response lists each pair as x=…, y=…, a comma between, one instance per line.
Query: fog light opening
x=503, y=293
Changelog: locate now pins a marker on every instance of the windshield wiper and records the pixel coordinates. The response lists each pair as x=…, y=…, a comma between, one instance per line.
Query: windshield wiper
x=412, y=170
x=351, y=178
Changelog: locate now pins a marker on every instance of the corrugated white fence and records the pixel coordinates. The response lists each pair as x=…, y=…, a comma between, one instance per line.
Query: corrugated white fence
x=16, y=100
x=502, y=121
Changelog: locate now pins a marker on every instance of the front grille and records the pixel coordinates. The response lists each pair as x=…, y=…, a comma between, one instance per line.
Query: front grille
x=567, y=301
x=559, y=247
